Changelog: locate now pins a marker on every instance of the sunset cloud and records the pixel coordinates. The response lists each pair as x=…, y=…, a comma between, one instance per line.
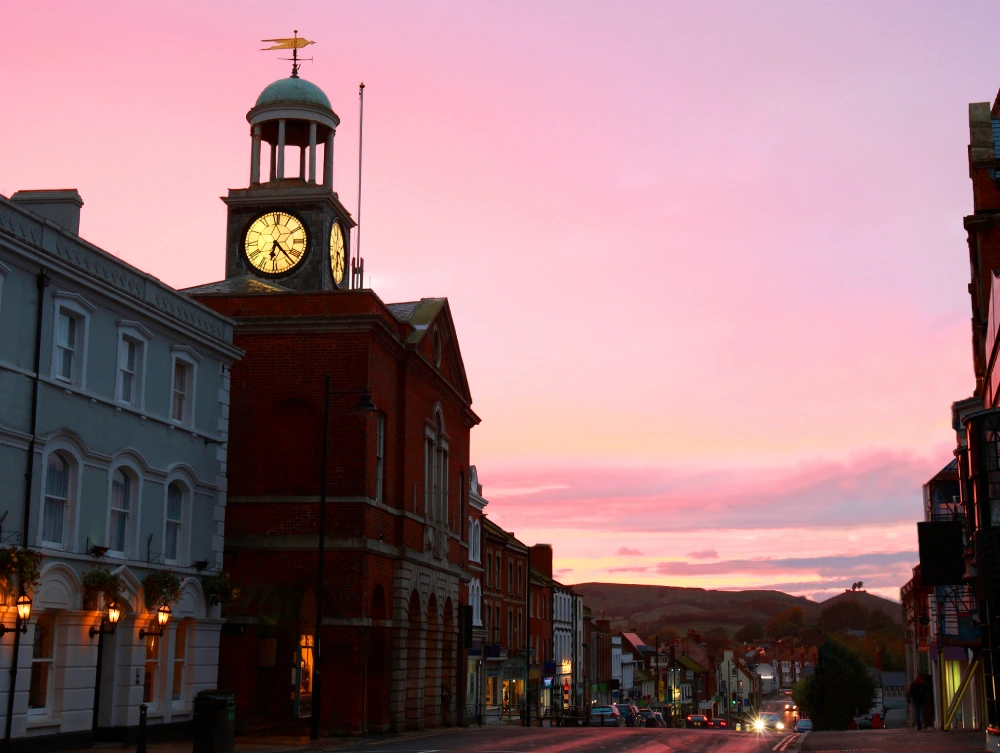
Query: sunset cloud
x=704, y=554
x=626, y=552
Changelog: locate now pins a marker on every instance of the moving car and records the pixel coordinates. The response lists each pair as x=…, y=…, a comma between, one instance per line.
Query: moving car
x=648, y=720
x=697, y=720
x=630, y=714
x=605, y=716
x=768, y=720
x=790, y=707
x=804, y=725
x=718, y=723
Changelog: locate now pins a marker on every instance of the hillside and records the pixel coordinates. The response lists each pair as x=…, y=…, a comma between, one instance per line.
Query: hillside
x=647, y=609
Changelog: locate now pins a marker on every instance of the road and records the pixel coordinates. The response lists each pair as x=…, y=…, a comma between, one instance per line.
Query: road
x=503, y=739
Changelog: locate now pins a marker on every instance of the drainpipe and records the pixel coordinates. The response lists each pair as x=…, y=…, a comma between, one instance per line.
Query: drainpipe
x=41, y=281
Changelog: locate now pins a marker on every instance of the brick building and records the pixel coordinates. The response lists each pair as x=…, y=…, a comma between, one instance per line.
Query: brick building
x=505, y=593
x=542, y=670
x=395, y=476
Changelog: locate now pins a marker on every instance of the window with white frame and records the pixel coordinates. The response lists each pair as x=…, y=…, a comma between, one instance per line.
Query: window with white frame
x=180, y=659
x=55, y=507
x=379, y=457
x=475, y=552
x=173, y=549
x=42, y=655
x=182, y=385
x=69, y=342
x=124, y=497
x=132, y=339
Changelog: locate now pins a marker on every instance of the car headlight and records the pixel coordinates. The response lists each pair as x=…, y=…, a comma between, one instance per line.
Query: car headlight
x=758, y=725
x=779, y=725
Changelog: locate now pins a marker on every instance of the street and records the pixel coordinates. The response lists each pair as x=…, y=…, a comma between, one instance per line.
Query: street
x=581, y=740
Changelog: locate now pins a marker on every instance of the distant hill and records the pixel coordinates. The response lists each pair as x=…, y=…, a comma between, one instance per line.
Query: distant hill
x=648, y=609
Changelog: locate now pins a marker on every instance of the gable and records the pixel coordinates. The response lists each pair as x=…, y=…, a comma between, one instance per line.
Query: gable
x=432, y=333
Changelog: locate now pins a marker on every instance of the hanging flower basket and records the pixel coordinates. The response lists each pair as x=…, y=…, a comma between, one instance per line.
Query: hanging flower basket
x=21, y=564
x=102, y=581
x=220, y=589
x=161, y=587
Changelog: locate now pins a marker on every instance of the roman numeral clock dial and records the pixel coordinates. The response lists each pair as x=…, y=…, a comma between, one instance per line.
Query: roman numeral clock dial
x=337, y=253
x=275, y=243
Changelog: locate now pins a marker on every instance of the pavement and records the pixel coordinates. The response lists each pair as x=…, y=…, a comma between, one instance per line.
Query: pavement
x=896, y=741
x=507, y=739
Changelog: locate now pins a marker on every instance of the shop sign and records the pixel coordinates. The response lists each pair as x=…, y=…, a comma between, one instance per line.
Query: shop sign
x=493, y=671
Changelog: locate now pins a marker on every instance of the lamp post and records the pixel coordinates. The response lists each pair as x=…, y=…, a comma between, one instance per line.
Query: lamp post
x=20, y=627
x=364, y=404
x=107, y=627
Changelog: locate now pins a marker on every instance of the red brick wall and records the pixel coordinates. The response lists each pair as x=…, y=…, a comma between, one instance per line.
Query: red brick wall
x=290, y=342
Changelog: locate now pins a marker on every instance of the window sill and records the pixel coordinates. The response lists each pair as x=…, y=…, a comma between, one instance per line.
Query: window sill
x=41, y=720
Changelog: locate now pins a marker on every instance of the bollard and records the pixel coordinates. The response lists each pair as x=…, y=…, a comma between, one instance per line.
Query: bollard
x=140, y=746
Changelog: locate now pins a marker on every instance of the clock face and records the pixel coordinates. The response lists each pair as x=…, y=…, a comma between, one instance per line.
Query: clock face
x=995, y=513
x=275, y=243
x=337, y=253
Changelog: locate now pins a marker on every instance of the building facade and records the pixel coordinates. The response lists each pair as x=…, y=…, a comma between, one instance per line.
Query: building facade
x=505, y=601
x=475, y=684
x=350, y=411
x=115, y=404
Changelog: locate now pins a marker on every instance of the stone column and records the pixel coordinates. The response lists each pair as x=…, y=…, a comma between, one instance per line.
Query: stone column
x=255, y=156
x=274, y=162
x=312, y=151
x=281, y=149
x=328, y=161
x=302, y=163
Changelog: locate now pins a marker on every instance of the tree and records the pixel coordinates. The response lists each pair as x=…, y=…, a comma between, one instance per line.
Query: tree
x=786, y=624
x=842, y=616
x=715, y=639
x=750, y=633
x=878, y=620
x=838, y=689
x=666, y=635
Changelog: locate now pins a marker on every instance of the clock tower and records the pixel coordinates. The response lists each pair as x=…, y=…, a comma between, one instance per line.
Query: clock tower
x=290, y=230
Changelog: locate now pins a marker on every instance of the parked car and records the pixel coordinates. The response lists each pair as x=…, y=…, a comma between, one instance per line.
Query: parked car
x=697, y=720
x=865, y=722
x=647, y=717
x=605, y=716
x=629, y=713
x=717, y=723
x=804, y=725
x=660, y=721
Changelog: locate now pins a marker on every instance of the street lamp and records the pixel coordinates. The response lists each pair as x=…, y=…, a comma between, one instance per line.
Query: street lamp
x=162, y=617
x=23, y=613
x=107, y=627
x=114, y=614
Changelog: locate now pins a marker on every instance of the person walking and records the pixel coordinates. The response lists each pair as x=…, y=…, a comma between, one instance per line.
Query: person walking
x=917, y=695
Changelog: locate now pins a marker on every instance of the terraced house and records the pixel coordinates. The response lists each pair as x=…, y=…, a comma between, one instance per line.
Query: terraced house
x=113, y=406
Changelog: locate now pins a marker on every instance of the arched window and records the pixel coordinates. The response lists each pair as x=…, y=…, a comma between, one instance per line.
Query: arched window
x=475, y=601
x=55, y=514
x=436, y=471
x=173, y=525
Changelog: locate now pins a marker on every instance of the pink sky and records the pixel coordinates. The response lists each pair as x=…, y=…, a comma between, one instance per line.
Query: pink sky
x=706, y=259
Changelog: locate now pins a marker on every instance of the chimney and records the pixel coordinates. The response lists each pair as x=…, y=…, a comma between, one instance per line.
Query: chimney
x=61, y=206
x=541, y=558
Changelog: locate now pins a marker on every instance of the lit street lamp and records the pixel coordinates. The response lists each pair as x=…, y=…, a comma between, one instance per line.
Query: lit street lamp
x=162, y=617
x=23, y=613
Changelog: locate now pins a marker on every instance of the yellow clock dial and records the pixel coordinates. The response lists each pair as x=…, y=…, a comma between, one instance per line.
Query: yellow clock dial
x=275, y=243
x=337, y=253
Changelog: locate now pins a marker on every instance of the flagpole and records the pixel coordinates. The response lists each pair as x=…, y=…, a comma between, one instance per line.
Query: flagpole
x=357, y=233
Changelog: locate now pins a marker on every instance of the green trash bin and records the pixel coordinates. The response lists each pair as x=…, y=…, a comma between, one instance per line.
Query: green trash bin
x=214, y=721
